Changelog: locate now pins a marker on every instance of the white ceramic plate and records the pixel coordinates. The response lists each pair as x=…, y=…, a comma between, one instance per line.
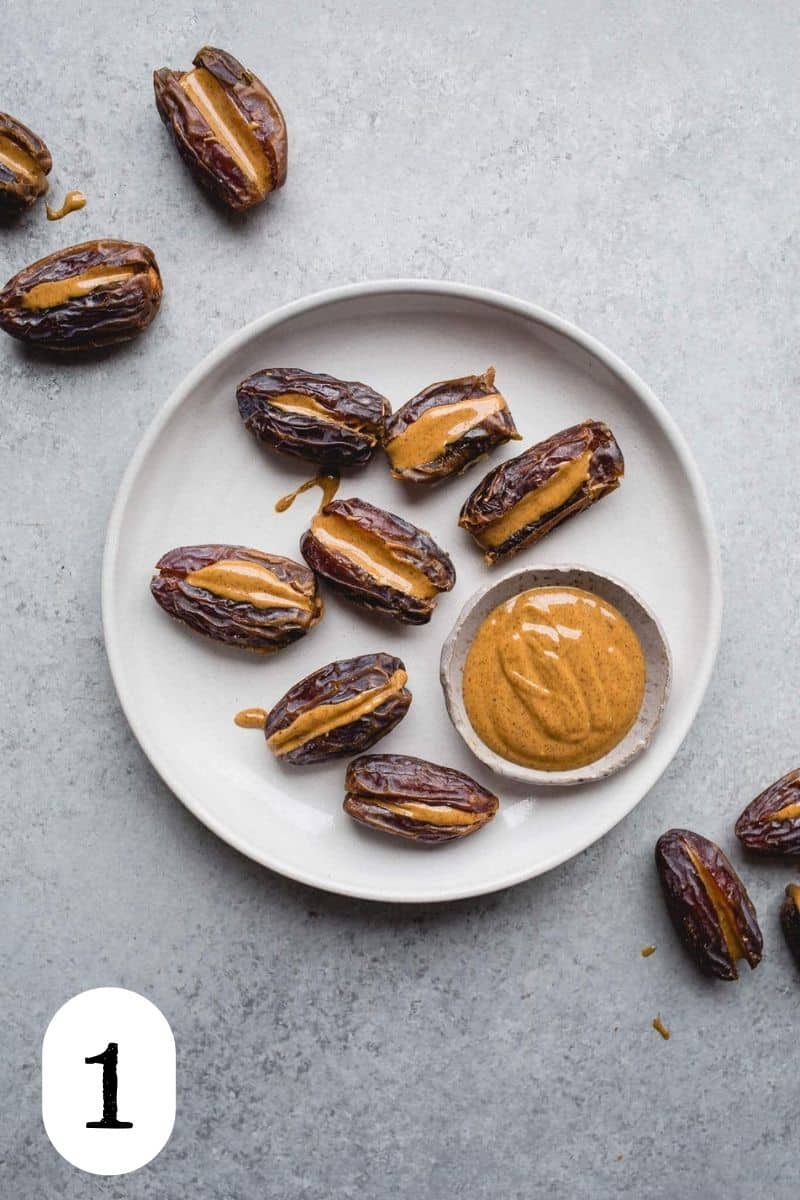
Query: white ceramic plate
x=198, y=476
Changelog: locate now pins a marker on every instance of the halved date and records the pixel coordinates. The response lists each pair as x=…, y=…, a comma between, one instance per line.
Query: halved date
x=771, y=823
x=328, y=421
x=342, y=708
x=25, y=163
x=708, y=903
x=447, y=427
x=416, y=799
x=377, y=560
x=84, y=297
x=237, y=595
x=227, y=126
x=790, y=919
x=522, y=499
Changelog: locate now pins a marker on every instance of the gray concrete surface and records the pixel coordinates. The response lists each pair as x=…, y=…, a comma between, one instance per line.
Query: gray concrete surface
x=631, y=165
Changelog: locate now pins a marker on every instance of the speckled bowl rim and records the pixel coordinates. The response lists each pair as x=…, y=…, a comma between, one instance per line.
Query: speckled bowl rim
x=645, y=624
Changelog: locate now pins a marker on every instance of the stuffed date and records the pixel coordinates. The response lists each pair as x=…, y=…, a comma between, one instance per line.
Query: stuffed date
x=377, y=560
x=343, y=708
x=415, y=799
x=447, y=427
x=226, y=125
x=522, y=499
x=331, y=422
x=237, y=595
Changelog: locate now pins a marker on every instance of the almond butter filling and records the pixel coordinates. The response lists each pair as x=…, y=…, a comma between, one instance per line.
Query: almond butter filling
x=787, y=813
x=300, y=403
x=372, y=555
x=248, y=583
x=73, y=201
x=430, y=814
x=437, y=428
x=228, y=124
x=49, y=295
x=18, y=160
x=554, y=678
x=722, y=907
x=562, y=484
x=325, y=717
x=793, y=890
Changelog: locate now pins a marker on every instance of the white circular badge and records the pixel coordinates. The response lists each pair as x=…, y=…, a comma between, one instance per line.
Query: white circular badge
x=108, y=1081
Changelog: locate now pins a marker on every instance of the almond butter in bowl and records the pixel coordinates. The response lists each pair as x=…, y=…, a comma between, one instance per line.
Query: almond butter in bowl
x=555, y=675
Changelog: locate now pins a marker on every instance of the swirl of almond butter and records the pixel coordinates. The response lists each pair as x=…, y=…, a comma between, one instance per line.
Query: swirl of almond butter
x=554, y=678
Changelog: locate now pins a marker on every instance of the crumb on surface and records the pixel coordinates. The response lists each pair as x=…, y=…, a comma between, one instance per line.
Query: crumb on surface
x=660, y=1027
x=646, y=951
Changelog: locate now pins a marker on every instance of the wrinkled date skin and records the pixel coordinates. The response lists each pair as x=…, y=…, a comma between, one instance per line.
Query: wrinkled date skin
x=84, y=297
x=25, y=163
x=227, y=126
x=377, y=560
x=343, y=708
x=708, y=904
x=447, y=427
x=238, y=595
x=415, y=799
x=771, y=823
x=331, y=422
x=790, y=919
x=522, y=499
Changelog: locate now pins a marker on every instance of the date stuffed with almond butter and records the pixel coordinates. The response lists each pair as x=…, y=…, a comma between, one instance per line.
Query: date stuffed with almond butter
x=25, y=163
x=416, y=799
x=709, y=906
x=84, y=297
x=227, y=126
x=331, y=422
x=447, y=427
x=790, y=919
x=237, y=595
x=771, y=823
x=343, y=708
x=522, y=499
x=377, y=560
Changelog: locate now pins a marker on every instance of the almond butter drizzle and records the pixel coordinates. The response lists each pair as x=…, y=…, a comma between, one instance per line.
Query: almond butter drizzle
x=228, y=124
x=722, y=906
x=49, y=295
x=73, y=201
x=248, y=583
x=562, y=484
x=554, y=678
x=16, y=159
x=328, y=484
x=437, y=428
x=251, y=718
x=784, y=814
x=661, y=1028
x=371, y=554
x=430, y=814
x=325, y=717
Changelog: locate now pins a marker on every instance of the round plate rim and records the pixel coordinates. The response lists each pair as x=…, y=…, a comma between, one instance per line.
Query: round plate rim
x=455, y=291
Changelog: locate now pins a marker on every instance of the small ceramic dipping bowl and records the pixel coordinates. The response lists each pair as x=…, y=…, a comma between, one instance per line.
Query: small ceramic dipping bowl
x=646, y=627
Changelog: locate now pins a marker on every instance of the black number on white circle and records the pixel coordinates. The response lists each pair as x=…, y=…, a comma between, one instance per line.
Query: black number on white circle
x=109, y=1061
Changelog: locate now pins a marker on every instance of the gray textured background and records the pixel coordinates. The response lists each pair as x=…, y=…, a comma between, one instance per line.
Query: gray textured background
x=631, y=165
